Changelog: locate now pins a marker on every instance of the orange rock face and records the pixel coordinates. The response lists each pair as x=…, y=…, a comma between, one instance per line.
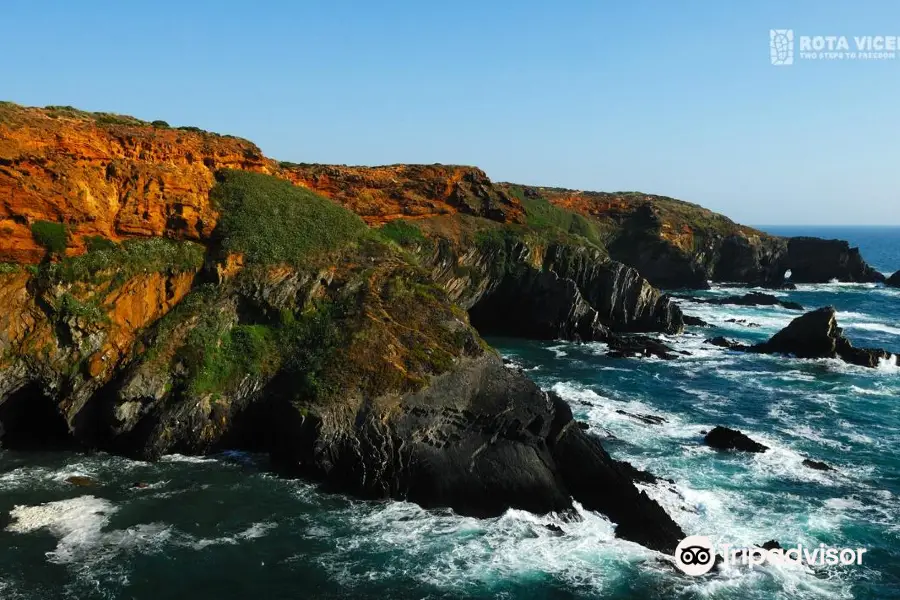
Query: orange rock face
x=113, y=179
x=381, y=194
x=118, y=177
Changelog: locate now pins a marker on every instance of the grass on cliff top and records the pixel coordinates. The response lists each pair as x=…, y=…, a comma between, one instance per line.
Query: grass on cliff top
x=548, y=219
x=107, y=260
x=402, y=232
x=272, y=221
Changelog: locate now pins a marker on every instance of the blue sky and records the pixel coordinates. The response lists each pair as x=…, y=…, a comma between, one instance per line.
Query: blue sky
x=674, y=98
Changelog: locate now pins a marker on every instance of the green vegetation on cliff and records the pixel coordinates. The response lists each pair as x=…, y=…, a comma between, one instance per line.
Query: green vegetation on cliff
x=553, y=221
x=402, y=232
x=52, y=236
x=105, y=260
x=219, y=354
x=271, y=221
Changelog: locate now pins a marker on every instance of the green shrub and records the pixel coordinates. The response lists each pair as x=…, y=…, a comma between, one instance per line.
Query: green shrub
x=52, y=236
x=7, y=268
x=402, y=232
x=69, y=306
x=270, y=221
x=217, y=355
x=103, y=118
x=98, y=243
x=160, y=124
x=106, y=260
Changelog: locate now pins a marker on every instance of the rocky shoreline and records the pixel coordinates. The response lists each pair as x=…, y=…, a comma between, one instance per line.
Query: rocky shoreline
x=170, y=290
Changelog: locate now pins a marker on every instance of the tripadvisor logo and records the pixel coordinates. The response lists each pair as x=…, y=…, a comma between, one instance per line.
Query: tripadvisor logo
x=696, y=555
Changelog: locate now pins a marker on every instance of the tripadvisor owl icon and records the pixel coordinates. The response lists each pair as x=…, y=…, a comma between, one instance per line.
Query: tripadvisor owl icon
x=694, y=555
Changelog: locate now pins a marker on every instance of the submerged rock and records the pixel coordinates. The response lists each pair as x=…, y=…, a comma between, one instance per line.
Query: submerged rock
x=81, y=481
x=743, y=322
x=638, y=346
x=723, y=342
x=644, y=418
x=817, y=465
x=724, y=438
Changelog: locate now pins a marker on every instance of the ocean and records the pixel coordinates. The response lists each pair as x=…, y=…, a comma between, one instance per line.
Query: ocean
x=224, y=527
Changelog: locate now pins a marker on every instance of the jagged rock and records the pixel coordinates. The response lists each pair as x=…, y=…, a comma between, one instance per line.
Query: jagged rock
x=639, y=475
x=814, y=260
x=644, y=418
x=894, y=280
x=554, y=528
x=723, y=342
x=724, y=438
x=522, y=289
x=817, y=335
x=695, y=321
x=751, y=299
x=743, y=322
x=817, y=465
x=638, y=346
x=771, y=545
x=538, y=305
x=389, y=393
x=589, y=476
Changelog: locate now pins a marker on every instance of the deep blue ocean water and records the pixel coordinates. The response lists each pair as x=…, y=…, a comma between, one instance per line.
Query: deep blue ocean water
x=223, y=527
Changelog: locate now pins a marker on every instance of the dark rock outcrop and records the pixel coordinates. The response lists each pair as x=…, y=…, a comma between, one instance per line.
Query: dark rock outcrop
x=814, y=260
x=360, y=374
x=817, y=465
x=724, y=438
x=723, y=342
x=751, y=299
x=813, y=335
x=743, y=322
x=517, y=288
x=538, y=305
x=639, y=346
x=695, y=321
x=894, y=280
x=589, y=475
x=643, y=418
x=817, y=335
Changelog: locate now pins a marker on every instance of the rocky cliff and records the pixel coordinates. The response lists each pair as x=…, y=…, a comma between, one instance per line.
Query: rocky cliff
x=172, y=290
x=677, y=244
x=107, y=175
x=270, y=318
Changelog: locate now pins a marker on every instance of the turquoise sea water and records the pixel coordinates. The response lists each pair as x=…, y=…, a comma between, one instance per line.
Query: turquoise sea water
x=223, y=527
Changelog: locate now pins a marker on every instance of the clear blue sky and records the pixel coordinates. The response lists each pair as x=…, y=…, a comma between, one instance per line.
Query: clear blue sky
x=675, y=98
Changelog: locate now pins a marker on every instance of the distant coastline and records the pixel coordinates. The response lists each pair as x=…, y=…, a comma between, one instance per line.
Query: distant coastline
x=879, y=244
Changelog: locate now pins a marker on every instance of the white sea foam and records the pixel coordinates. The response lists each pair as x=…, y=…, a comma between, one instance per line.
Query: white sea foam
x=79, y=526
x=865, y=326
x=181, y=458
x=560, y=350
